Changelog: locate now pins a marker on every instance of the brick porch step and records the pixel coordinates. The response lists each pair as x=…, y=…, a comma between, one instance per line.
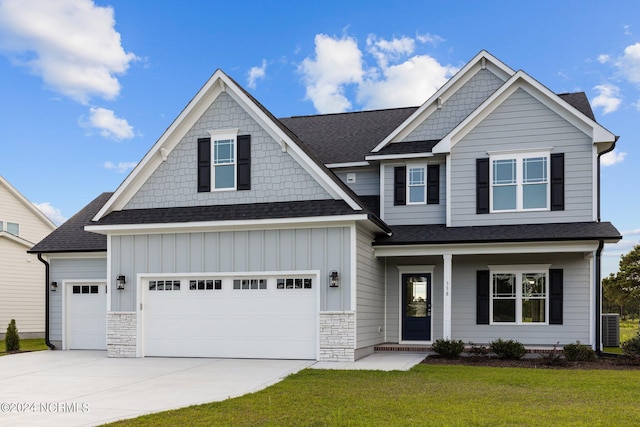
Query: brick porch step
x=405, y=348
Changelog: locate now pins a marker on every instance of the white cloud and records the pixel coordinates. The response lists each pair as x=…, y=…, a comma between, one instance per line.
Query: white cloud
x=398, y=76
x=629, y=63
x=109, y=125
x=54, y=214
x=71, y=44
x=603, y=59
x=612, y=158
x=121, y=167
x=429, y=38
x=338, y=62
x=608, y=98
x=256, y=73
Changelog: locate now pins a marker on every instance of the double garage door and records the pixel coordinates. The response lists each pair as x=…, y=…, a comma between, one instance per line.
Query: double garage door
x=236, y=317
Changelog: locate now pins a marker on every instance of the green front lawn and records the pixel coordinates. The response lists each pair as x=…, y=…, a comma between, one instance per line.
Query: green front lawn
x=426, y=395
x=32, y=344
x=628, y=329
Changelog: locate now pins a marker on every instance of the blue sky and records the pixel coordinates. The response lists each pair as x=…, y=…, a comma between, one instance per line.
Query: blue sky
x=86, y=87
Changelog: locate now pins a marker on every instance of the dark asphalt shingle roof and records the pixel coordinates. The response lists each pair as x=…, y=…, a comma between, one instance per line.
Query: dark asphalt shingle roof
x=408, y=147
x=580, y=101
x=71, y=237
x=440, y=234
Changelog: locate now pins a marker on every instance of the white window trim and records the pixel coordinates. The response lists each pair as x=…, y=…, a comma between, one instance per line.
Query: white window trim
x=519, y=156
x=519, y=270
x=422, y=166
x=219, y=135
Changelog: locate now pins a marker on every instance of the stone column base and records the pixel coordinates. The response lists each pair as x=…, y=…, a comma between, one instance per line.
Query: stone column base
x=121, y=334
x=337, y=336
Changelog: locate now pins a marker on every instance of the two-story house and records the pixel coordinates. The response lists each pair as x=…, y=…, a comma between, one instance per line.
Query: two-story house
x=22, y=293
x=474, y=216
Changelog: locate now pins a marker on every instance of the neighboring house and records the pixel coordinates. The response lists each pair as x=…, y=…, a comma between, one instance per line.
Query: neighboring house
x=22, y=292
x=474, y=216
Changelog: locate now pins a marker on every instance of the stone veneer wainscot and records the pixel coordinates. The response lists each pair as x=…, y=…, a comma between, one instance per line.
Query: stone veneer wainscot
x=337, y=336
x=121, y=334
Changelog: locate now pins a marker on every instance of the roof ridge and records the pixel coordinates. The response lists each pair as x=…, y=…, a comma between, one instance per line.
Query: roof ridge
x=350, y=112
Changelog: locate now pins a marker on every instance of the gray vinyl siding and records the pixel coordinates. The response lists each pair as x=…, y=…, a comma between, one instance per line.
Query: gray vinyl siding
x=275, y=176
x=70, y=269
x=323, y=249
x=576, y=301
x=522, y=122
x=367, y=180
x=370, y=293
x=414, y=214
x=457, y=107
x=393, y=294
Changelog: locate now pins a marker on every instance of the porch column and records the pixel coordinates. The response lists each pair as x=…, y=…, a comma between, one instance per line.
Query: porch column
x=446, y=306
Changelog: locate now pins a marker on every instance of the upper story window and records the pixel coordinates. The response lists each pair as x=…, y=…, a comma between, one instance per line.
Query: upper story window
x=520, y=182
x=224, y=161
x=416, y=184
x=13, y=228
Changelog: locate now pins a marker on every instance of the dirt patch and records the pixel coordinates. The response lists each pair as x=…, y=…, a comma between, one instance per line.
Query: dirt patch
x=605, y=362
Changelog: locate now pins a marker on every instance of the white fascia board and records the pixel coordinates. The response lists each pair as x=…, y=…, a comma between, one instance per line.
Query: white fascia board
x=482, y=60
x=346, y=165
x=18, y=195
x=399, y=156
x=485, y=248
x=17, y=239
x=522, y=80
x=256, y=224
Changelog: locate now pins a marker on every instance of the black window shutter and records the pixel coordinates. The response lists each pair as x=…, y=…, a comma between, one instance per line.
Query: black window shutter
x=555, y=296
x=482, y=186
x=204, y=165
x=244, y=162
x=482, y=297
x=557, y=182
x=433, y=184
x=400, y=185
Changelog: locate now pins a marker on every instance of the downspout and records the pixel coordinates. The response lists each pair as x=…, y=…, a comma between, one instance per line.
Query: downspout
x=46, y=302
x=598, y=274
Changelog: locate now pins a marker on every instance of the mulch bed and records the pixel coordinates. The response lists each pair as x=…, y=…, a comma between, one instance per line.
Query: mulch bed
x=605, y=362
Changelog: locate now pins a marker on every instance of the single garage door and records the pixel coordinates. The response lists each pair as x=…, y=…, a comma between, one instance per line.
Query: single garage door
x=87, y=316
x=234, y=317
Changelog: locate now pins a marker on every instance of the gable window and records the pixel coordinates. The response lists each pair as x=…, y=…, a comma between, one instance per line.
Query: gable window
x=519, y=182
x=224, y=161
x=519, y=294
x=13, y=228
x=416, y=185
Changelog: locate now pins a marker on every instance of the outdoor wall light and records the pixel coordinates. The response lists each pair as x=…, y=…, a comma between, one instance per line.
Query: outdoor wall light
x=54, y=286
x=334, y=279
x=120, y=281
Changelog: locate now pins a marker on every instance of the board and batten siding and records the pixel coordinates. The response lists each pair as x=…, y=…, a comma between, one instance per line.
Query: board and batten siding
x=275, y=176
x=68, y=269
x=414, y=214
x=576, y=301
x=367, y=180
x=323, y=249
x=370, y=292
x=457, y=107
x=522, y=122
x=394, y=294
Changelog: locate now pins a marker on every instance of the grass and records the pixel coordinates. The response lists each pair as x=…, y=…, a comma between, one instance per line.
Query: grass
x=426, y=395
x=29, y=344
x=628, y=329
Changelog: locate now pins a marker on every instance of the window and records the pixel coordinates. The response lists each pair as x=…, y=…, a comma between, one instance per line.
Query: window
x=1, y=226
x=294, y=283
x=519, y=295
x=164, y=285
x=205, y=285
x=224, y=163
x=416, y=185
x=520, y=182
x=85, y=289
x=250, y=284
x=13, y=228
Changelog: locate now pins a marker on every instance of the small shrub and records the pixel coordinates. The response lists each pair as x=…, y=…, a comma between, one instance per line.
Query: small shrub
x=554, y=357
x=632, y=347
x=579, y=353
x=507, y=349
x=12, y=339
x=478, y=350
x=449, y=349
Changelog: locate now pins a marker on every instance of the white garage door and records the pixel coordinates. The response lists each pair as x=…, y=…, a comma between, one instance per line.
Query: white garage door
x=252, y=317
x=87, y=316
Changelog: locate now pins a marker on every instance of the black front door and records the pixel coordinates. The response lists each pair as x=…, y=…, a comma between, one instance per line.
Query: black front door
x=416, y=307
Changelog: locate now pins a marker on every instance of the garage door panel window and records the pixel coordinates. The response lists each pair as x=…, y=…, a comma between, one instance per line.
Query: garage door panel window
x=85, y=289
x=205, y=285
x=250, y=284
x=294, y=283
x=164, y=285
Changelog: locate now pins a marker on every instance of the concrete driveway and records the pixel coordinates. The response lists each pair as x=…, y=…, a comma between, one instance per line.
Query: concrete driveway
x=81, y=388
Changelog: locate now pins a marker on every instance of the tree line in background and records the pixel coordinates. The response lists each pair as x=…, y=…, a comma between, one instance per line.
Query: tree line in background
x=621, y=291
